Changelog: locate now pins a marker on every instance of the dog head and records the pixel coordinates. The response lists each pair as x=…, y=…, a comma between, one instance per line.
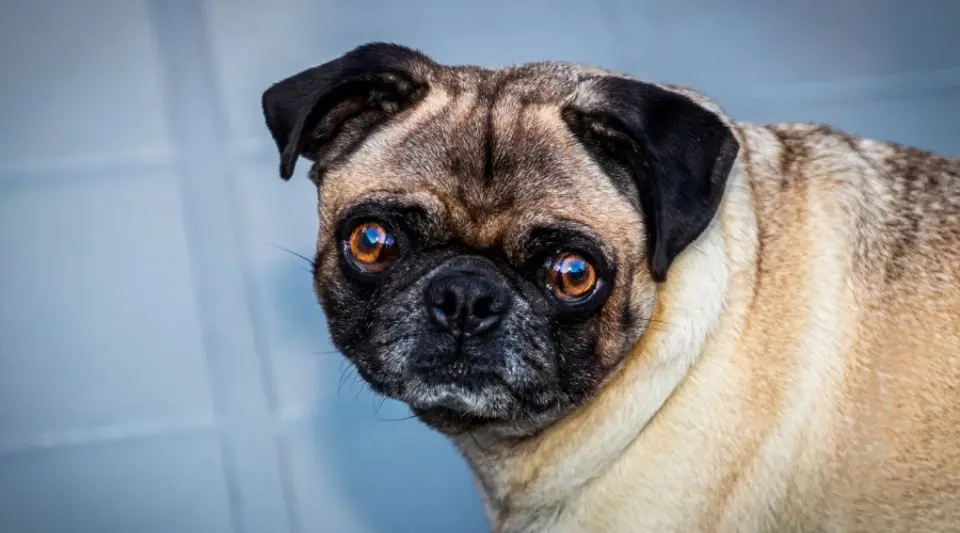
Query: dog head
x=491, y=241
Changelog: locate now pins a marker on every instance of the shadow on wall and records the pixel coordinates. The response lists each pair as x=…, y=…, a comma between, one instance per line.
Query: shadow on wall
x=398, y=475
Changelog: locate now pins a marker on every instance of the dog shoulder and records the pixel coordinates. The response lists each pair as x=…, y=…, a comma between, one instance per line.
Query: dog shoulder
x=898, y=207
x=875, y=225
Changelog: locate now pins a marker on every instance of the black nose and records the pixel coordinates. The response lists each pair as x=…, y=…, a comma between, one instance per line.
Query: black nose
x=466, y=303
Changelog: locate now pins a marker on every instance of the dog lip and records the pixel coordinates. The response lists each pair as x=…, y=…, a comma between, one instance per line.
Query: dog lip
x=453, y=370
x=481, y=393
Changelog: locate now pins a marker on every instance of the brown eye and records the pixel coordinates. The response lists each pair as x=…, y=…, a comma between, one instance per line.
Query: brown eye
x=371, y=248
x=570, y=277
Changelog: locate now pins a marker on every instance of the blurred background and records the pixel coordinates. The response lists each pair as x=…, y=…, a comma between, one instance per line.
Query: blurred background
x=164, y=367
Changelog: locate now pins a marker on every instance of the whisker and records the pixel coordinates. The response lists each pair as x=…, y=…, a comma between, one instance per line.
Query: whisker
x=655, y=321
x=378, y=402
x=476, y=442
x=346, y=373
x=401, y=419
x=309, y=261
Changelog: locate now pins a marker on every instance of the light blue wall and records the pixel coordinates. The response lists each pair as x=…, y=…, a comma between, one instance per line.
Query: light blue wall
x=163, y=364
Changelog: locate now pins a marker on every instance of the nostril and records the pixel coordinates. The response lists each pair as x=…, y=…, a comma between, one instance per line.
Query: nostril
x=485, y=313
x=444, y=306
x=483, y=307
x=449, y=303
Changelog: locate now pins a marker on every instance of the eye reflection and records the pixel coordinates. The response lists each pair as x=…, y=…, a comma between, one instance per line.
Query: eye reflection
x=571, y=277
x=371, y=248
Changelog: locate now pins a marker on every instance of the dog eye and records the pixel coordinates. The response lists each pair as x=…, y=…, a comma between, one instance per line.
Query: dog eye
x=571, y=277
x=371, y=248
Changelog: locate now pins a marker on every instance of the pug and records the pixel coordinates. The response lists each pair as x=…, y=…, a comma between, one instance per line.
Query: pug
x=628, y=312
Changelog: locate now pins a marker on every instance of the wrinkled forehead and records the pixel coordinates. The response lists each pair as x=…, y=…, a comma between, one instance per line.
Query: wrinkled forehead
x=487, y=159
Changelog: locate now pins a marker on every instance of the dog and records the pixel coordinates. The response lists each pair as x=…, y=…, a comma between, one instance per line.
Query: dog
x=629, y=312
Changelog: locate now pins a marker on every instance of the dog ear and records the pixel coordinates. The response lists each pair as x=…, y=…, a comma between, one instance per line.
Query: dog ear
x=661, y=145
x=325, y=112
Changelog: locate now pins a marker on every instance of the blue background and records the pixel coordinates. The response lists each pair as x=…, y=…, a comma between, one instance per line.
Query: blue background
x=163, y=364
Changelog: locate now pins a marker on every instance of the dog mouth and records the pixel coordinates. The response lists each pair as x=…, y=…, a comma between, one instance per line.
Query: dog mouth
x=462, y=390
x=455, y=387
x=459, y=393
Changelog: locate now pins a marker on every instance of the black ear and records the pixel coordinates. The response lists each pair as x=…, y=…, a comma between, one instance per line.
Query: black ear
x=661, y=145
x=326, y=111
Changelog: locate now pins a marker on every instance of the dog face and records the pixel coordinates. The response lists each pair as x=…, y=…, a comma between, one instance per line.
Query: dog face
x=490, y=242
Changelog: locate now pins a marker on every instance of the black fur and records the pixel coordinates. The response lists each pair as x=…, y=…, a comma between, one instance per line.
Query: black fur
x=548, y=347
x=663, y=148
x=323, y=113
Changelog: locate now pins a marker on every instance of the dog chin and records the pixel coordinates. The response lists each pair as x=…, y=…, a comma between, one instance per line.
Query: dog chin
x=486, y=400
x=483, y=403
x=462, y=405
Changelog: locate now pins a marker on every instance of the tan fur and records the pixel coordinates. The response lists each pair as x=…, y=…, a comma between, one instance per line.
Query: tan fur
x=800, y=369
x=827, y=397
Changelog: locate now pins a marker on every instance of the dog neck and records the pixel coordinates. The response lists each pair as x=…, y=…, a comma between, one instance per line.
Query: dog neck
x=524, y=483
